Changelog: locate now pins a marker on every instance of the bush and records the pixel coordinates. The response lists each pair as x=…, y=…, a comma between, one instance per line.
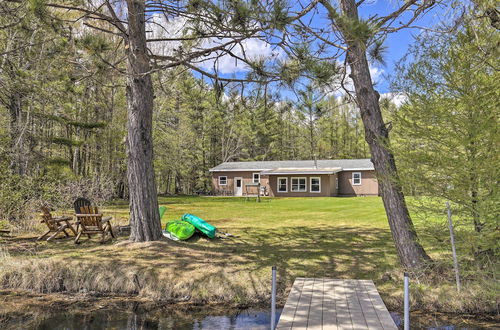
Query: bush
x=22, y=196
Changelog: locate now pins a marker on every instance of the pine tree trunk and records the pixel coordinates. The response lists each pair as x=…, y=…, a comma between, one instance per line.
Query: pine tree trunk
x=144, y=216
x=17, y=147
x=410, y=252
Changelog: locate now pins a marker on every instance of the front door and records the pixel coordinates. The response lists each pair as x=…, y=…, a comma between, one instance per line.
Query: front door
x=238, y=186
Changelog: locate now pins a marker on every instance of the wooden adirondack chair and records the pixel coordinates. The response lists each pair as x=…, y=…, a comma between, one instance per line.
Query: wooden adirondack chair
x=91, y=223
x=78, y=204
x=55, y=225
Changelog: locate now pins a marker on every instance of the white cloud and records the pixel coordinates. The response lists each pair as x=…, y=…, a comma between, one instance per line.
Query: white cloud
x=376, y=73
x=397, y=98
x=339, y=92
x=251, y=49
x=159, y=27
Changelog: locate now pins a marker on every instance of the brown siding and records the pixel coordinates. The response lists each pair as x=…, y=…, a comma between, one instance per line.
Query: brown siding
x=368, y=187
x=333, y=184
x=246, y=176
x=326, y=186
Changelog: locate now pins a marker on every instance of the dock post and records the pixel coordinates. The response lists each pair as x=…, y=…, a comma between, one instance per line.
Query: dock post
x=406, y=302
x=273, y=298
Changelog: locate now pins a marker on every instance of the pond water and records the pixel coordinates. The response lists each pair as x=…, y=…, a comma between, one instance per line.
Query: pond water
x=200, y=319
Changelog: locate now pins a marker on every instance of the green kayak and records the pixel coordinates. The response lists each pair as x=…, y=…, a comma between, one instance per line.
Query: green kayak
x=200, y=224
x=162, y=210
x=180, y=229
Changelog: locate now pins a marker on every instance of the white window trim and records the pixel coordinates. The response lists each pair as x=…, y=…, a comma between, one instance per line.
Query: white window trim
x=223, y=184
x=360, y=178
x=253, y=177
x=310, y=184
x=278, y=185
x=298, y=178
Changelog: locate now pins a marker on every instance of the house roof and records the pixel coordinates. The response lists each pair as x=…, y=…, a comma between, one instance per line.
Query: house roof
x=303, y=165
x=309, y=171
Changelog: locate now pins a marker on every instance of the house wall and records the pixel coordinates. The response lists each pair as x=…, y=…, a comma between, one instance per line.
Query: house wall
x=229, y=188
x=327, y=186
x=333, y=184
x=368, y=187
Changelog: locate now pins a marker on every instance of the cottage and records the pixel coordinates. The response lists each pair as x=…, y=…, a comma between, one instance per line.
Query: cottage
x=297, y=178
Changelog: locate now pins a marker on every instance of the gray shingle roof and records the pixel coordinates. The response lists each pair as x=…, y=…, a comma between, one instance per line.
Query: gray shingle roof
x=345, y=164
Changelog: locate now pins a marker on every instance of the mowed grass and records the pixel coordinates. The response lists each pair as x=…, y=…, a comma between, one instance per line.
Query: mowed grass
x=302, y=237
x=334, y=237
x=313, y=237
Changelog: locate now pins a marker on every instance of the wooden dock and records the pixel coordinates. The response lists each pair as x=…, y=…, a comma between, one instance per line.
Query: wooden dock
x=323, y=303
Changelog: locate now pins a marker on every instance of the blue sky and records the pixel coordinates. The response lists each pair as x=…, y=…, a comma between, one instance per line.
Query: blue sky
x=397, y=43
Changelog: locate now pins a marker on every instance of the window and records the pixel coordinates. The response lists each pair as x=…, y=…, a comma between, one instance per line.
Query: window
x=299, y=185
x=315, y=184
x=356, y=178
x=337, y=183
x=256, y=178
x=223, y=181
x=282, y=184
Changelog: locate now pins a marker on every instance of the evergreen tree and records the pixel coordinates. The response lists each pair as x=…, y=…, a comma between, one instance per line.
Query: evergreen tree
x=447, y=132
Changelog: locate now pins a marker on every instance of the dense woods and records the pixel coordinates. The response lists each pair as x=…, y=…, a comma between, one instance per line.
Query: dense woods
x=64, y=120
x=79, y=114
x=447, y=132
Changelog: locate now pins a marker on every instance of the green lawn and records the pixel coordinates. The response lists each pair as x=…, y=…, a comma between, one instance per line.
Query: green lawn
x=334, y=237
x=312, y=237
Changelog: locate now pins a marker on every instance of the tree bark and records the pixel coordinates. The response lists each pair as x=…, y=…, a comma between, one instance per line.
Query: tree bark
x=144, y=216
x=17, y=144
x=410, y=252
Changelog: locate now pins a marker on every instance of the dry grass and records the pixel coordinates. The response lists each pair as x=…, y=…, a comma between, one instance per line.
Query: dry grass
x=151, y=270
x=318, y=237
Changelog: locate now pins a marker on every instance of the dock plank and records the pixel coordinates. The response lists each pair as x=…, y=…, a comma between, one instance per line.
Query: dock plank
x=343, y=312
x=315, y=320
x=382, y=312
x=302, y=312
x=369, y=312
x=329, y=307
x=357, y=316
x=288, y=313
x=331, y=304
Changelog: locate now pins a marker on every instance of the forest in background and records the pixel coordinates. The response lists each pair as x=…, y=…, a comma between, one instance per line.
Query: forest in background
x=63, y=111
x=64, y=120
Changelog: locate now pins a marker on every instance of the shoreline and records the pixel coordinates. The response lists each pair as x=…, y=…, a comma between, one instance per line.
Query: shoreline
x=26, y=310
x=236, y=272
x=12, y=301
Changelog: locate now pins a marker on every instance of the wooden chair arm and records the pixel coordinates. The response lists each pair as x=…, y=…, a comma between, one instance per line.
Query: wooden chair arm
x=88, y=215
x=63, y=218
x=106, y=219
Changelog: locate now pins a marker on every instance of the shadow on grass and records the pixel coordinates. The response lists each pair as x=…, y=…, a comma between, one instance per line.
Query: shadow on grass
x=339, y=252
x=200, y=270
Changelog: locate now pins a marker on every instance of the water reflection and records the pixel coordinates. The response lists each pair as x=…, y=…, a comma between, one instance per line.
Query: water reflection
x=246, y=319
x=202, y=319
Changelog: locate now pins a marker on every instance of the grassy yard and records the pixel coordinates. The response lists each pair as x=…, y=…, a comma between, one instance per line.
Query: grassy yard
x=313, y=237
